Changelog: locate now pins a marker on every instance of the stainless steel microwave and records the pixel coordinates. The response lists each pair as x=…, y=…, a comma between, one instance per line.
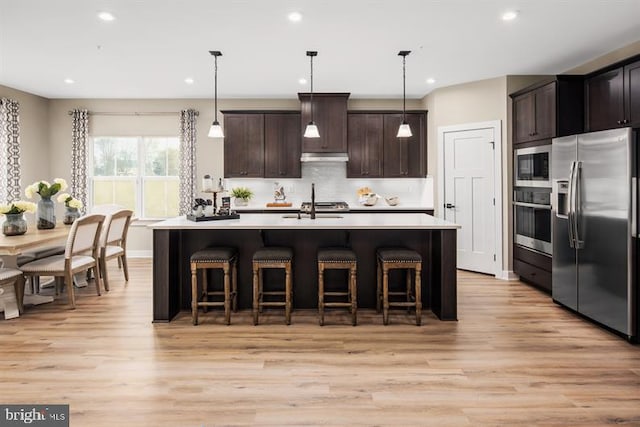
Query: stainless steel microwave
x=532, y=166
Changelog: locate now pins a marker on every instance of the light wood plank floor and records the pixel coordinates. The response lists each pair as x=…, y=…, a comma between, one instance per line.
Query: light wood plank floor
x=514, y=358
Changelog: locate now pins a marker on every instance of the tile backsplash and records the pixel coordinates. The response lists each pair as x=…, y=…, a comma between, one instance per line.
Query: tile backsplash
x=332, y=185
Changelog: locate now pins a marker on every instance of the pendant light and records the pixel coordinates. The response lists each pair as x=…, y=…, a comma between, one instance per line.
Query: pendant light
x=404, y=131
x=311, y=130
x=216, y=130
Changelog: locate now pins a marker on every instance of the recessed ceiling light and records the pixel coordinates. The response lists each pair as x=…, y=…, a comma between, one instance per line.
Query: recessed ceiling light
x=106, y=16
x=510, y=15
x=431, y=80
x=295, y=17
x=69, y=81
x=302, y=81
x=189, y=81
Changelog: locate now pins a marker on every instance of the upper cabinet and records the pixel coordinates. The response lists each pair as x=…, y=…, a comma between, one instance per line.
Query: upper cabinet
x=376, y=152
x=405, y=157
x=243, y=145
x=548, y=109
x=282, y=145
x=534, y=114
x=262, y=144
x=613, y=98
x=365, y=135
x=330, y=115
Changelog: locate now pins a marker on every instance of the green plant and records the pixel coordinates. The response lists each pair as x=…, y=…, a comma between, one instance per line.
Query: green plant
x=241, y=193
x=45, y=189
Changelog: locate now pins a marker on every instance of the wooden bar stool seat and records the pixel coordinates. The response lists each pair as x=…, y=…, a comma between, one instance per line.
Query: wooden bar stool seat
x=212, y=258
x=405, y=259
x=272, y=257
x=337, y=258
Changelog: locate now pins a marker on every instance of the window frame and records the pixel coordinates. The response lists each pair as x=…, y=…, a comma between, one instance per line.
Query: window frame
x=139, y=179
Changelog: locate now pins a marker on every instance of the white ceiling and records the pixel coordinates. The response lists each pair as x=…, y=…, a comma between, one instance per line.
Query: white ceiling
x=153, y=45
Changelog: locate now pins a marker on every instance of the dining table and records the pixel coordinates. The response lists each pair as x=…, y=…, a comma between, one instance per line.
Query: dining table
x=13, y=246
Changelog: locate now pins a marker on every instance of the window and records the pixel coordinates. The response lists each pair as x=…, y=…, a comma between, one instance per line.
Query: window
x=138, y=173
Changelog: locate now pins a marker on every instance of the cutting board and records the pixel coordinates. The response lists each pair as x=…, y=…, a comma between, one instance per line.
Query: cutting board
x=279, y=205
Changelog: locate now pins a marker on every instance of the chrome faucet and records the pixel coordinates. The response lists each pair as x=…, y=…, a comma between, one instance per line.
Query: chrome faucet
x=313, y=201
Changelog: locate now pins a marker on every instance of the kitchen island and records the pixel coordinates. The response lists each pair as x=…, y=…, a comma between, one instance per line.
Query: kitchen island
x=175, y=239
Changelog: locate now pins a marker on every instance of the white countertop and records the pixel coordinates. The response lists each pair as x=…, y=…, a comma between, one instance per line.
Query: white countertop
x=352, y=207
x=381, y=221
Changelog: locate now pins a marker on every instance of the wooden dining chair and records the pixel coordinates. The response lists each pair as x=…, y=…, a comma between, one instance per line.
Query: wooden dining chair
x=113, y=243
x=81, y=253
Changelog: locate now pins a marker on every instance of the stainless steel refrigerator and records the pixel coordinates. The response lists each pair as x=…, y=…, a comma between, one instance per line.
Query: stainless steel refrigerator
x=593, y=225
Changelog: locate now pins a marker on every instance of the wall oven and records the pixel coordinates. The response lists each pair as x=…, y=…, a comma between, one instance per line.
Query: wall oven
x=532, y=166
x=532, y=218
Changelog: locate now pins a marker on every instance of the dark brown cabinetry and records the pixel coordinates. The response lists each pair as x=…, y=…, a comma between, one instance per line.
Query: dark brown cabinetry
x=365, y=135
x=243, y=145
x=548, y=109
x=613, y=98
x=532, y=267
x=404, y=157
x=282, y=145
x=330, y=115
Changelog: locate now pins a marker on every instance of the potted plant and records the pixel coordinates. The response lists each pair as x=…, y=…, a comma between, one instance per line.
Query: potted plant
x=45, y=211
x=242, y=195
x=72, y=206
x=15, y=224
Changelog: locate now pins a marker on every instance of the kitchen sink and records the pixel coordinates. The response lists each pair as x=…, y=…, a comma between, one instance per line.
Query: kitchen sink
x=307, y=216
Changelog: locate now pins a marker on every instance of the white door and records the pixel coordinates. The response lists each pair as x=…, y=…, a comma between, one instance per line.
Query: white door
x=469, y=198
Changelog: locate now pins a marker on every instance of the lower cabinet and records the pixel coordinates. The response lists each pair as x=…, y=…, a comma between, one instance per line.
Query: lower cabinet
x=532, y=267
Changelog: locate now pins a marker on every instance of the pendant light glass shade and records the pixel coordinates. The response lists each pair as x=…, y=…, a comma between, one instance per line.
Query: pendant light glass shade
x=215, y=131
x=404, y=131
x=311, y=130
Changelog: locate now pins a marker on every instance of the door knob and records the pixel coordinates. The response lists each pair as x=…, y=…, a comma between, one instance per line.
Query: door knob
x=449, y=206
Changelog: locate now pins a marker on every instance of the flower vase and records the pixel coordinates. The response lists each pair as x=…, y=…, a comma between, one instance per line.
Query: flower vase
x=46, y=214
x=14, y=224
x=70, y=215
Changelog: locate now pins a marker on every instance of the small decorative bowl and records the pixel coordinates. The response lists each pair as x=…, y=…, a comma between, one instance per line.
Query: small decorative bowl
x=392, y=201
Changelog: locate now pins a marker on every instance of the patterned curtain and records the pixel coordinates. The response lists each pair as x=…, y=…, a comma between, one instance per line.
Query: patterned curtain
x=187, y=159
x=9, y=150
x=80, y=140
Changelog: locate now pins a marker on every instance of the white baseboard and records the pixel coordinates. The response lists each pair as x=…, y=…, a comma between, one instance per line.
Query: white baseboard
x=140, y=254
x=507, y=275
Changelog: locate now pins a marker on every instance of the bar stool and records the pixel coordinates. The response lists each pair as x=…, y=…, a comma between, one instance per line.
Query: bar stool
x=337, y=258
x=210, y=258
x=272, y=257
x=398, y=258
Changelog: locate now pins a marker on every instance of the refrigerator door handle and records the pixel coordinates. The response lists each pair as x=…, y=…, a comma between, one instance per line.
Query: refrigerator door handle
x=570, y=214
x=634, y=207
x=577, y=212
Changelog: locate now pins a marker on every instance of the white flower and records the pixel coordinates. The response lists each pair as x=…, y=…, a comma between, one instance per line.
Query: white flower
x=4, y=209
x=62, y=197
x=25, y=206
x=62, y=182
x=30, y=191
x=45, y=183
x=75, y=203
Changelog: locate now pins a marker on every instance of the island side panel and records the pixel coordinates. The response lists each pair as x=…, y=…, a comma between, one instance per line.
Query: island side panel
x=444, y=298
x=166, y=275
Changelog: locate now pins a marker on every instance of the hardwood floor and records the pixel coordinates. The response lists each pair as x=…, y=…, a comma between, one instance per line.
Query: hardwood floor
x=513, y=358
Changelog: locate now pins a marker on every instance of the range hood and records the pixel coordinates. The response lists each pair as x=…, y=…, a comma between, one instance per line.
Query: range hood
x=324, y=157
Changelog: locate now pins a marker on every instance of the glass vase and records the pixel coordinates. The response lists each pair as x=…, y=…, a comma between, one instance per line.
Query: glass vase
x=14, y=224
x=70, y=215
x=46, y=214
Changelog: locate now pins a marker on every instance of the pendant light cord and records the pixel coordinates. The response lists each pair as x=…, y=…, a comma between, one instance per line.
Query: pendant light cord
x=404, y=89
x=215, y=85
x=311, y=99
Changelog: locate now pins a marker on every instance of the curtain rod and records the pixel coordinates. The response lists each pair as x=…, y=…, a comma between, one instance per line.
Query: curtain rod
x=134, y=113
